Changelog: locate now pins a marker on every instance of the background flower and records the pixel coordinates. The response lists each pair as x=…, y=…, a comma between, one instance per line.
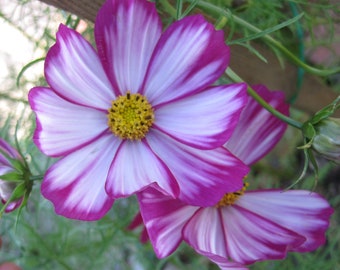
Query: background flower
x=244, y=226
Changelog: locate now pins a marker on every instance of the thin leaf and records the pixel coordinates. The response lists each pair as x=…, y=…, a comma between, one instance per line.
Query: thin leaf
x=326, y=111
x=27, y=66
x=253, y=50
x=179, y=7
x=304, y=170
x=11, y=176
x=268, y=30
x=190, y=8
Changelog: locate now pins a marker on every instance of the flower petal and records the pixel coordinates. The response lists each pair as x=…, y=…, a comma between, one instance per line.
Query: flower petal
x=301, y=211
x=239, y=234
x=204, y=231
x=9, y=150
x=126, y=33
x=135, y=167
x=6, y=190
x=258, y=131
x=63, y=127
x=13, y=205
x=205, y=120
x=223, y=263
x=189, y=56
x=75, y=184
x=73, y=70
x=204, y=176
x=4, y=169
x=138, y=222
x=164, y=219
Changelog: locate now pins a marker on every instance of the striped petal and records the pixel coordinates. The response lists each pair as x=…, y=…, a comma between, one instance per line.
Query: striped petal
x=205, y=232
x=164, y=219
x=237, y=233
x=205, y=120
x=258, y=131
x=203, y=176
x=189, y=56
x=126, y=33
x=301, y=211
x=73, y=70
x=138, y=222
x=8, y=150
x=76, y=183
x=6, y=190
x=224, y=263
x=135, y=167
x=63, y=127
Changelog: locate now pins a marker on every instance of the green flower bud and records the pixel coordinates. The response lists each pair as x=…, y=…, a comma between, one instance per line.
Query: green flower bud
x=327, y=139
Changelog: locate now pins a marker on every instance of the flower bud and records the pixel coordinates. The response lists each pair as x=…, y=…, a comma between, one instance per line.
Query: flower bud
x=12, y=177
x=327, y=138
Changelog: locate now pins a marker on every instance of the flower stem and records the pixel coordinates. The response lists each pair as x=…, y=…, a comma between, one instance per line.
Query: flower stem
x=263, y=103
x=36, y=177
x=169, y=8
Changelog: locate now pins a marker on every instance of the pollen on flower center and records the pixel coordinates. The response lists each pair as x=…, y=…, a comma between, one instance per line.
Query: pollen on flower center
x=130, y=116
x=230, y=198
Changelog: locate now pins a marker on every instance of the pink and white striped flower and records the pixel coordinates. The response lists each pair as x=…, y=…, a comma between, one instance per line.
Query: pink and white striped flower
x=138, y=111
x=245, y=226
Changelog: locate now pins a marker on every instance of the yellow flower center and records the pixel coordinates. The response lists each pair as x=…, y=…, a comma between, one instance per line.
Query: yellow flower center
x=230, y=198
x=130, y=116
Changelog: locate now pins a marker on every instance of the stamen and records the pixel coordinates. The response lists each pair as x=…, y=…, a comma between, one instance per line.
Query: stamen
x=230, y=198
x=130, y=116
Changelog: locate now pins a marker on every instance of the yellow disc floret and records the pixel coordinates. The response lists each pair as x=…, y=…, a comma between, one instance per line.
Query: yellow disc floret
x=230, y=198
x=130, y=116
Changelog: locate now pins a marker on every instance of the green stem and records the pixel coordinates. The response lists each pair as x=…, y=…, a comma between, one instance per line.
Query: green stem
x=36, y=177
x=169, y=8
x=220, y=11
x=26, y=67
x=263, y=103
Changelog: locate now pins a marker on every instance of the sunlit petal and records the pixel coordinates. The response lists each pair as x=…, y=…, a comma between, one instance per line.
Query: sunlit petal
x=205, y=120
x=63, y=127
x=189, y=56
x=135, y=167
x=74, y=71
x=203, y=176
x=76, y=183
x=126, y=33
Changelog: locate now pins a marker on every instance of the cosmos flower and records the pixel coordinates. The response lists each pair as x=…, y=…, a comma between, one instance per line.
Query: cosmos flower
x=8, y=157
x=137, y=111
x=244, y=226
